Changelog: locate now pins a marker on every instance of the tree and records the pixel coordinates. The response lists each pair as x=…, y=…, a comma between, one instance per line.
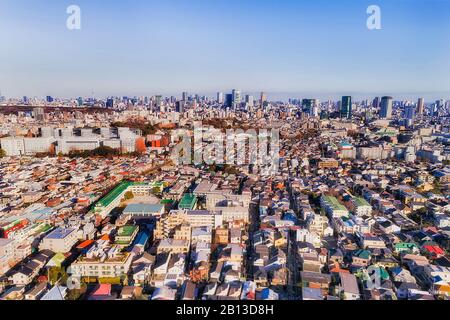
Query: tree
x=2, y=153
x=129, y=195
x=54, y=274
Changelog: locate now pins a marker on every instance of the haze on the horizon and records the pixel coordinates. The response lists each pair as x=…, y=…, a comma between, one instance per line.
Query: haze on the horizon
x=287, y=48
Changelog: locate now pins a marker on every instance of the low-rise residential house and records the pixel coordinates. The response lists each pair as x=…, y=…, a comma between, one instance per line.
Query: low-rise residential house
x=402, y=275
x=349, y=289
x=361, y=258
x=36, y=292
x=175, y=271
x=435, y=273
x=315, y=280
x=141, y=269
x=406, y=247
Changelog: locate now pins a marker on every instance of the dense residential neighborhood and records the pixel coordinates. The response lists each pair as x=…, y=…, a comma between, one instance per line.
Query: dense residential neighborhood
x=359, y=208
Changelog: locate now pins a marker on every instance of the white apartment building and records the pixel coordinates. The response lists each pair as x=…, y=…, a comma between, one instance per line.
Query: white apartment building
x=233, y=213
x=64, y=146
x=59, y=240
x=361, y=207
x=101, y=264
x=37, y=145
x=13, y=146
x=7, y=247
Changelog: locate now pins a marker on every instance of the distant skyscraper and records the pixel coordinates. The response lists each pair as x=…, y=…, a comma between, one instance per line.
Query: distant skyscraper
x=49, y=99
x=220, y=97
x=39, y=114
x=237, y=99
x=440, y=103
x=346, y=107
x=420, y=106
x=80, y=101
x=263, y=98
x=179, y=106
x=158, y=101
x=376, y=103
x=306, y=105
x=110, y=103
x=184, y=96
x=410, y=112
x=229, y=100
x=311, y=107
x=386, y=108
x=249, y=100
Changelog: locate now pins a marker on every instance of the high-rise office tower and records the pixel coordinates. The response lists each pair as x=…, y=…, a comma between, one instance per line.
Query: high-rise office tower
x=346, y=107
x=249, y=100
x=49, y=99
x=311, y=107
x=376, y=103
x=420, y=106
x=410, y=112
x=219, y=97
x=237, y=99
x=386, y=108
x=306, y=105
x=314, y=112
x=179, y=106
x=184, y=96
x=440, y=103
x=263, y=98
x=110, y=103
x=158, y=100
x=228, y=100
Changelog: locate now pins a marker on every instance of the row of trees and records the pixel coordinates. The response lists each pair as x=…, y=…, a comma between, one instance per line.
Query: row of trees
x=145, y=127
x=102, y=151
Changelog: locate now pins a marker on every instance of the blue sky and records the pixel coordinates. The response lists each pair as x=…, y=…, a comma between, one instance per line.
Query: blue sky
x=290, y=48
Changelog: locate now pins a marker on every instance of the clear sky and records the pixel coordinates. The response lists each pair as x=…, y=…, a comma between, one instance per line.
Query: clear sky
x=288, y=48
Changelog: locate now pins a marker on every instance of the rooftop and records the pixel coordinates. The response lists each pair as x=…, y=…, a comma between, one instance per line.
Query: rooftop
x=360, y=202
x=59, y=233
x=110, y=197
x=137, y=208
x=188, y=202
x=126, y=231
x=334, y=203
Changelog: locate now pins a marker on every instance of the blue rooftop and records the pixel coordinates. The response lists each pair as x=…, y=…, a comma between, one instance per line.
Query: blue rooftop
x=43, y=211
x=142, y=239
x=59, y=233
x=143, y=208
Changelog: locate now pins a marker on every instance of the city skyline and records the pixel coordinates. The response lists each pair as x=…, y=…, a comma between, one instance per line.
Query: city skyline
x=296, y=49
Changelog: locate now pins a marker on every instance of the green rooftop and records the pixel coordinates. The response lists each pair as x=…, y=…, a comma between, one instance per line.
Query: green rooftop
x=405, y=246
x=360, y=202
x=386, y=132
x=110, y=197
x=45, y=228
x=363, y=254
x=188, y=202
x=126, y=231
x=334, y=203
